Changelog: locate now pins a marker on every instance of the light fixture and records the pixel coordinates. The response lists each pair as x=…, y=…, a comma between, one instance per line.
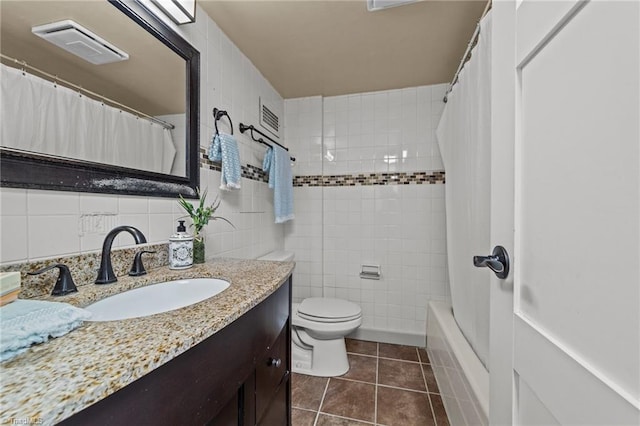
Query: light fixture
x=373, y=5
x=179, y=11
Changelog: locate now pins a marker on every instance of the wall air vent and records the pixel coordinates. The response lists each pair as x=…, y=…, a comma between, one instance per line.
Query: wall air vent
x=269, y=120
x=76, y=39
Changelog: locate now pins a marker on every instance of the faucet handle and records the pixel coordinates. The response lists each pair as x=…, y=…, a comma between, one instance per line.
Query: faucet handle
x=137, y=268
x=64, y=283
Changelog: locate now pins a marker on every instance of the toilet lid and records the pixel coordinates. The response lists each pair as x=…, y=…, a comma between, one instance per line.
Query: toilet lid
x=323, y=309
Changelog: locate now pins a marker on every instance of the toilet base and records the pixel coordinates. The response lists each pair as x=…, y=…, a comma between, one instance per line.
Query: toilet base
x=327, y=358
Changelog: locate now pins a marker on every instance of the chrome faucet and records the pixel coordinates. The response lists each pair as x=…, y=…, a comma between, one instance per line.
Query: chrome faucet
x=105, y=273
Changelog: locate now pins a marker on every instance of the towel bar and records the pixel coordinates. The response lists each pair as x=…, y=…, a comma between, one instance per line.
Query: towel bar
x=244, y=128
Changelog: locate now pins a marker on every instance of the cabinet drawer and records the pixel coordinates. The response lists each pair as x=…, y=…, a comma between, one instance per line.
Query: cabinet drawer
x=271, y=372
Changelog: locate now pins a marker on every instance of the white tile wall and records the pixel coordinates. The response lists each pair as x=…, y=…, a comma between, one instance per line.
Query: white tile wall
x=303, y=133
x=42, y=224
x=304, y=237
x=391, y=226
x=386, y=131
x=400, y=227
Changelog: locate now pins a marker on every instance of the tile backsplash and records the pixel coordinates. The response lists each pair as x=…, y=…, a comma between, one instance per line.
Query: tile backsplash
x=83, y=268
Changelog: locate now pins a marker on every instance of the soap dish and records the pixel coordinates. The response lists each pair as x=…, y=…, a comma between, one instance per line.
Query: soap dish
x=9, y=287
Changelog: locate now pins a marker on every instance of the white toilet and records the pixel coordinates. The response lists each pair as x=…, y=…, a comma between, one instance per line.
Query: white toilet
x=318, y=328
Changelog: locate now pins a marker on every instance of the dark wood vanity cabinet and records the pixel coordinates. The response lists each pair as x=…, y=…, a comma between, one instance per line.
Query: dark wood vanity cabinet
x=238, y=376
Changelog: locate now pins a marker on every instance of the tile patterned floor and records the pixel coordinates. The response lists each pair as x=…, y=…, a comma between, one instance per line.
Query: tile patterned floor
x=386, y=385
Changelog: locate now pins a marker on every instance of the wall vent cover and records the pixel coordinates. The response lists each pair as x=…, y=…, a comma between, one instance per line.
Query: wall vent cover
x=373, y=5
x=76, y=39
x=269, y=120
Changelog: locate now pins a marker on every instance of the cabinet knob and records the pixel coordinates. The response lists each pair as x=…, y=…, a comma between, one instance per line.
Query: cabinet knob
x=273, y=362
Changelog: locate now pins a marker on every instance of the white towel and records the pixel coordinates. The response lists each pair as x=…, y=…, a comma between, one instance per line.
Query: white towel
x=26, y=322
x=224, y=148
x=276, y=162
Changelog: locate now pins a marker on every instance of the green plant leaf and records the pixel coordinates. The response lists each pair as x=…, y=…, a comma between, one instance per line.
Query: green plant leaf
x=203, y=214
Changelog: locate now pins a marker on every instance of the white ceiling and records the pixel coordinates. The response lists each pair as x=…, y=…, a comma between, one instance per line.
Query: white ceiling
x=322, y=47
x=303, y=47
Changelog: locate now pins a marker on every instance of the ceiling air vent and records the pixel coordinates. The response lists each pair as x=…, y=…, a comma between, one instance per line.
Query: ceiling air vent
x=269, y=120
x=76, y=39
x=373, y=5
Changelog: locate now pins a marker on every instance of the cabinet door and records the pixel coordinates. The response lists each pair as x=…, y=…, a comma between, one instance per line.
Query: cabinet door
x=277, y=413
x=228, y=416
x=271, y=373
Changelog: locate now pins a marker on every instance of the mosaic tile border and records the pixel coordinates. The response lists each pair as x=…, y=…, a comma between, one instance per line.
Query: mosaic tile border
x=361, y=179
x=248, y=171
x=368, y=179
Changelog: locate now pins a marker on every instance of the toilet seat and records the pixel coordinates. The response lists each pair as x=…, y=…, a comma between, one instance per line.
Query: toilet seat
x=327, y=310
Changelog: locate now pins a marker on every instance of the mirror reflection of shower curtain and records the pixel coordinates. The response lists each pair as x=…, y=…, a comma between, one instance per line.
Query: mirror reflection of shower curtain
x=39, y=116
x=464, y=138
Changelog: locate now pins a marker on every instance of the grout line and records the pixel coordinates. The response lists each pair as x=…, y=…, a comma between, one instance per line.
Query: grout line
x=401, y=360
x=352, y=380
x=420, y=356
x=375, y=400
x=355, y=353
x=326, y=387
x=404, y=389
x=424, y=377
x=380, y=384
x=435, y=420
x=305, y=409
x=348, y=418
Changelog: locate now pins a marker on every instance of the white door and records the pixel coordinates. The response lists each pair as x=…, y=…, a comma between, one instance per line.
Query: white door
x=565, y=324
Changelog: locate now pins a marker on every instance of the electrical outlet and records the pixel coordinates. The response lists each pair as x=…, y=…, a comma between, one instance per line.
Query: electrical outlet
x=97, y=223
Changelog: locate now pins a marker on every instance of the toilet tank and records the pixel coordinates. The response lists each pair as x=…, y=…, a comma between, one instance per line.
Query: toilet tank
x=278, y=256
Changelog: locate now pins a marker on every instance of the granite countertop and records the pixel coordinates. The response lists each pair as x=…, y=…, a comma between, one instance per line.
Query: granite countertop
x=54, y=380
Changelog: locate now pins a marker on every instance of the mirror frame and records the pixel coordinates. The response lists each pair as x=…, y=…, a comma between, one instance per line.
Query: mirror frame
x=19, y=169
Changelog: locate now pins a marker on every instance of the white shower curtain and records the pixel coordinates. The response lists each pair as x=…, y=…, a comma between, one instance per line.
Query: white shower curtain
x=39, y=116
x=464, y=138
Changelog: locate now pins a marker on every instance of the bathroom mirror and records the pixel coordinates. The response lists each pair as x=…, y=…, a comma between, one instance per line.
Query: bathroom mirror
x=156, y=87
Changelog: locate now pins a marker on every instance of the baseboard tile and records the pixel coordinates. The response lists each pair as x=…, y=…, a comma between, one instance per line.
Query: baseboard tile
x=387, y=336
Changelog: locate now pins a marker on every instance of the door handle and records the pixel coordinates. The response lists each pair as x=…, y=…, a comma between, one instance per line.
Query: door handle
x=498, y=262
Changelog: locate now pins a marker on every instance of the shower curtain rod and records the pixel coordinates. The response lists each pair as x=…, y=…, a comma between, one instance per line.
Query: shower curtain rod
x=465, y=57
x=244, y=128
x=56, y=79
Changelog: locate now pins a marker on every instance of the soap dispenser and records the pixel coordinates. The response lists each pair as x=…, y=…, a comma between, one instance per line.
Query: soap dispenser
x=181, y=248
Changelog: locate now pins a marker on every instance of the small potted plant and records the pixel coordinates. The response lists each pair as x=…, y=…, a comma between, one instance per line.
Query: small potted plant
x=200, y=216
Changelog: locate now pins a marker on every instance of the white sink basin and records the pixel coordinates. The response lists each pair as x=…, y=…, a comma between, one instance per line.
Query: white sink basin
x=156, y=298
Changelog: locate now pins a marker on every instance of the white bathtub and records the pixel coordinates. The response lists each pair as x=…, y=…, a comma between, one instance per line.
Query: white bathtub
x=461, y=377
